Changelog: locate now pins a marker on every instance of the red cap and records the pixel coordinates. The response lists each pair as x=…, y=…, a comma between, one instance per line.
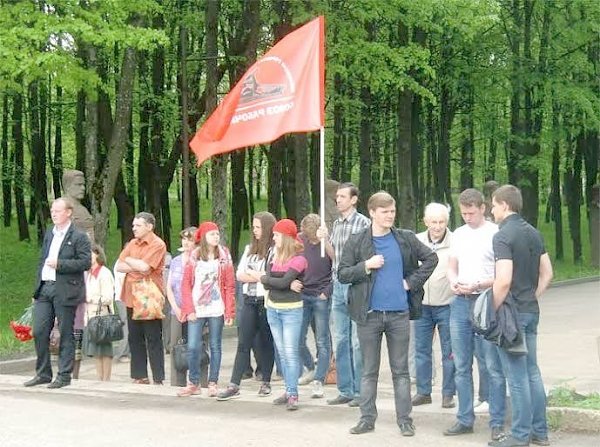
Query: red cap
x=204, y=228
x=287, y=227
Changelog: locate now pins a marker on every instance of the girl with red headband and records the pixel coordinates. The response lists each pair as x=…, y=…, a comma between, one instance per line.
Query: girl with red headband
x=284, y=306
x=207, y=291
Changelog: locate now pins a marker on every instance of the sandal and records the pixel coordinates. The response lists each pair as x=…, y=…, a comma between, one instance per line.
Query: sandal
x=144, y=381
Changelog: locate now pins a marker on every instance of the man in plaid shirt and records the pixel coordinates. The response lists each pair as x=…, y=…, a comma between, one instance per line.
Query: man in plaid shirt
x=345, y=340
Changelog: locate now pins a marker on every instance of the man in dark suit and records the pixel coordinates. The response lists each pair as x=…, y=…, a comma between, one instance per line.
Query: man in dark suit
x=60, y=287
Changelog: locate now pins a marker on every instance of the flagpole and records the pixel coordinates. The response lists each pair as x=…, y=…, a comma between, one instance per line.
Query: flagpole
x=322, y=177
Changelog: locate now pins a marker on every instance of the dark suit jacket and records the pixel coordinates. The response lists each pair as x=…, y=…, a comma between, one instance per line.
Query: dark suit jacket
x=74, y=258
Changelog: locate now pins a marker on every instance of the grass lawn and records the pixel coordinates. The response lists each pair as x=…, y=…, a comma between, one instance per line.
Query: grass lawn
x=18, y=263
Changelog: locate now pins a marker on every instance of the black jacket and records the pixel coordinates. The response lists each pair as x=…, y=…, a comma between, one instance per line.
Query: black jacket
x=351, y=270
x=74, y=258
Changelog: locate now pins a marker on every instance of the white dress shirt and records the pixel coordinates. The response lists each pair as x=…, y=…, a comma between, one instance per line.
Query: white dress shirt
x=49, y=273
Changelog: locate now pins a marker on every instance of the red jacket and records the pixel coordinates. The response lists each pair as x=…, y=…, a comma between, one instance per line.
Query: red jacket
x=225, y=278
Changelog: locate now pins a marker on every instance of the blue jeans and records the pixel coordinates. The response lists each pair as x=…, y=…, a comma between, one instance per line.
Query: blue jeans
x=463, y=341
x=194, y=343
x=496, y=383
x=286, y=325
x=348, y=358
x=396, y=328
x=319, y=308
x=484, y=376
x=431, y=317
x=527, y=394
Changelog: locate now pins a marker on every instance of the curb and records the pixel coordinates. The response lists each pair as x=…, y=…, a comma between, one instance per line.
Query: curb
x=573, y=420
x=575, y=281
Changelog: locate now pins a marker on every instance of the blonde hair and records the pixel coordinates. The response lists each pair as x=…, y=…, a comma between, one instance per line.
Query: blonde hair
x=290, y=247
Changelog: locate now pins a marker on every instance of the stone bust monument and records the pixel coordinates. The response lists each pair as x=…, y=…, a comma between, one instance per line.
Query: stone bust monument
x=74, y=189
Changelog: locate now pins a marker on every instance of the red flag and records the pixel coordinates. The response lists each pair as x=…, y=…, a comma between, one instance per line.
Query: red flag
x=283, y=92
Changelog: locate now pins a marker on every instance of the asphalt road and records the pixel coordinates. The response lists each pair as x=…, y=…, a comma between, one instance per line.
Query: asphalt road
x=65, y=419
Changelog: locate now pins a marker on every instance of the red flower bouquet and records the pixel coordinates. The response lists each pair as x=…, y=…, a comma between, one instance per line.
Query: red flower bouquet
x=22, y=327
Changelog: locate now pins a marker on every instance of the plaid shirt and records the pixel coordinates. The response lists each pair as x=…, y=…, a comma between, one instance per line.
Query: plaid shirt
x=342, y=229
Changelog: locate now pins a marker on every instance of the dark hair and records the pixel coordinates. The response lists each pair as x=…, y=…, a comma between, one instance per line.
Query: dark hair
x=351, y=186
x=188, y=233
x=471, y=197
x=261, y=246
x=100, y=255
x=147, y=217
x=511, y=195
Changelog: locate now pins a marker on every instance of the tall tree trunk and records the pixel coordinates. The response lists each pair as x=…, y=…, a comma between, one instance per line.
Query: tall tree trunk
x=39, y=191
x=275, y=174
x=57, y=165
x=80, y=136
x=338, y=117
x=574, y=196
x=555, y=193
x=145, y=110
x=105, y=181
x=301, y=174
x=467, y=153
x=19, y=183
x=219, y=163
x=7, y=165
x=364, y=179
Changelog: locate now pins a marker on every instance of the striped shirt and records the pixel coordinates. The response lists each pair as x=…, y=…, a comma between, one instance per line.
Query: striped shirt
x=341, y=231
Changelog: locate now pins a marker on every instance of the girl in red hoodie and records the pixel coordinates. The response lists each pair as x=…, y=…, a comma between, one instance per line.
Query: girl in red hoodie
x=208, y=298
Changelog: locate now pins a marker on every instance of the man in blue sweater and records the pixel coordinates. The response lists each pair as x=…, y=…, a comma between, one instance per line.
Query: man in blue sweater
x=381, y=264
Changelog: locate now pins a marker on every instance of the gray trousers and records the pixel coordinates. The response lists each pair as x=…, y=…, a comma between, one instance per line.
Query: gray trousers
x=121, y=348
x=395, y=326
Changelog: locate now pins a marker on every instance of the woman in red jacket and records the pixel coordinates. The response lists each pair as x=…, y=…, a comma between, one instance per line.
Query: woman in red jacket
x=208, y=298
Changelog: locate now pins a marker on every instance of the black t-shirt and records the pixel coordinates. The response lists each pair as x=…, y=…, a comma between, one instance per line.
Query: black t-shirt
x=520, y=242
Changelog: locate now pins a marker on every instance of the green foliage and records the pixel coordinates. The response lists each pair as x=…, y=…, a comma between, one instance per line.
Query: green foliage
x=564, y=396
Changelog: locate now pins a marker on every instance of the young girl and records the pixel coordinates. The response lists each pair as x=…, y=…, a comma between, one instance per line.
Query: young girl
x=173, y=289
x=253, y=316
x=99, y=294
x=207, y=292
x=284, y=306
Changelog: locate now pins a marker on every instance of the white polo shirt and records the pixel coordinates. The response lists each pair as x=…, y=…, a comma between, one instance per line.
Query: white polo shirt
x=474, y=251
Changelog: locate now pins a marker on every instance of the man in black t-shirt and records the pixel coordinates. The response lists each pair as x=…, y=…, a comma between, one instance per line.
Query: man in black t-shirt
x=522, y=267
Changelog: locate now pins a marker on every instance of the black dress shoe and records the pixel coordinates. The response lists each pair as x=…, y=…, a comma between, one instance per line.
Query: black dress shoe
x=458, y=429
x=362, y=427
x=354, y=402
x=340, y=400
x=421, y=399
x=539, y=441
x=37, y=380
x=58, y=383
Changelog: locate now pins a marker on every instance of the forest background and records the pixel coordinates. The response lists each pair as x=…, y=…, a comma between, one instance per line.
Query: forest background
x=423, y=99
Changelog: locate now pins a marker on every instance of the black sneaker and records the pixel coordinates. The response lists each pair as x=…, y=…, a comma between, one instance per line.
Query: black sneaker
x=497, y=433
x=339, y=400
x=421, y=399
x=264, y=390
x=537, y=440
x=407, y=429
x=458, y=429
x=362, y=427
x=508, y=441
x=231, y=392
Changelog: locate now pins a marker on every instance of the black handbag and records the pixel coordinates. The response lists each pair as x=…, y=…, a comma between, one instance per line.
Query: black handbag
x=105, y=328
x=179, y=353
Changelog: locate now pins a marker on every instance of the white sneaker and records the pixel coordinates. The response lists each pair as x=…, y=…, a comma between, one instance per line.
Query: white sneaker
x=307, y=377
x=317, y=391
x=481, y=408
